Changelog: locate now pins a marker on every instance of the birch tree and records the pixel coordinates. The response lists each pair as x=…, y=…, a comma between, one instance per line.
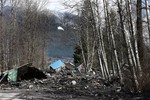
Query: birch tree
x=88, y=30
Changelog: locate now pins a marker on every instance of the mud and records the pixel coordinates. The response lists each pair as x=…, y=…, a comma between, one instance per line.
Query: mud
x=62, y=88
x=68, y=84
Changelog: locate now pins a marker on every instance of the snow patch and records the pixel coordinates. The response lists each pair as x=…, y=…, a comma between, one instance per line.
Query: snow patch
x=60, y=28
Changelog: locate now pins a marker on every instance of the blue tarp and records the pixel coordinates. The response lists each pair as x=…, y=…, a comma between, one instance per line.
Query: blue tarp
x=57, y=64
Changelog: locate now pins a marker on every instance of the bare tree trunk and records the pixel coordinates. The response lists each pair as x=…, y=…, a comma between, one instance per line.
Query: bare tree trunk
x=147, y=16
x=134, y=39
x=113, y=42
x=102, y=55
x=132, y=61
x=140, y=42
x=101, y=65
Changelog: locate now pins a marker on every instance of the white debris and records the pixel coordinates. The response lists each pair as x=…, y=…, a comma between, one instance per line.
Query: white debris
x=30, y=86
x=48, y=75
x=94, y=73
x=86, y=87
x=59, y=88
x=74, y=82
x=118, y=89
x=60, y=28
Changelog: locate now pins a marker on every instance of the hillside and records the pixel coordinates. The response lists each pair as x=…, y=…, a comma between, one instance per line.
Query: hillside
x=61, y=43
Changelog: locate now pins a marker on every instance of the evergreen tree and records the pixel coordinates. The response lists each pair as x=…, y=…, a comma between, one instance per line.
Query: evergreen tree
x=77, y=55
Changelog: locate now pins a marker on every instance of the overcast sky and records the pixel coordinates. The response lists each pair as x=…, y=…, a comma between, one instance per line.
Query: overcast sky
x=59, y=6
x=55, y=4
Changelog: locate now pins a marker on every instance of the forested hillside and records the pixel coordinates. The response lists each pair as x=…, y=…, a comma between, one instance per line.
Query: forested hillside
x=30, y=33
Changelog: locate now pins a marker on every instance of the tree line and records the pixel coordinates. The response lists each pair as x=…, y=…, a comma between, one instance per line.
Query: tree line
x=114, y=38
x=24, y=33
x=26, y=30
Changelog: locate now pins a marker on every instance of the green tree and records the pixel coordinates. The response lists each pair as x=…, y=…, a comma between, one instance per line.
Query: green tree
x=77, y=55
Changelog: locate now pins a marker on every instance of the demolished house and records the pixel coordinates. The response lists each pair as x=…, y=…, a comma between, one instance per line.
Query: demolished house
x=24, y=72
x=69, y=66
x=57, y=66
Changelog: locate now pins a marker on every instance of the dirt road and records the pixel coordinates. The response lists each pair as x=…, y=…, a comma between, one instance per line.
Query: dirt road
x=39, y=95
x=63, y=89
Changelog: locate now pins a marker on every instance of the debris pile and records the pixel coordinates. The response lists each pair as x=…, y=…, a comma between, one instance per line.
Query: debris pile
x=57, y=66
x=61, y=77
x=24, y=72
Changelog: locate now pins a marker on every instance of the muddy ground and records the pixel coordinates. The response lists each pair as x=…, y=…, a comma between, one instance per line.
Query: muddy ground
x=65, y=88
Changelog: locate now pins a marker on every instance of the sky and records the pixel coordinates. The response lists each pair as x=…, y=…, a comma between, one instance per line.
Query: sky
x=58, y=5
x=55, y=5
x=50, y=4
